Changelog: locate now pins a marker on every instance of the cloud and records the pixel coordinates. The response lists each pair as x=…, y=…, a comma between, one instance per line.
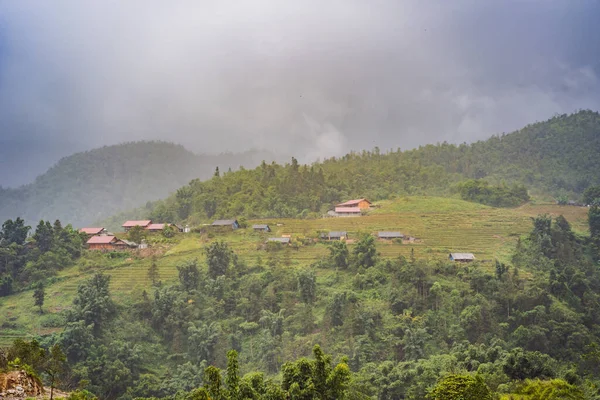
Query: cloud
x=310, y=79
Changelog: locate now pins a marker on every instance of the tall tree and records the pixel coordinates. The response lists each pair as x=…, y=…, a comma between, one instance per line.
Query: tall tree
x=218, y=257
x=93, y=303
x=55, y=365
x=14, y=232
x=38, y=295
x=189, y=275
x=365, y=253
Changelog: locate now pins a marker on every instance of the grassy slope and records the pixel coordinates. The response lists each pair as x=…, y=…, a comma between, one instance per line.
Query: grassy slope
x=441, y=224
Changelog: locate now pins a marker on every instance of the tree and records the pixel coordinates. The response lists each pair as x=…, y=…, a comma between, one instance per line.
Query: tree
x=591, y=195
x=460, y=387
x=339, y=254
x=44, y=236
x=232, y=379
x=153, y=273
x=93, y=303
x=38, y=296
x=218, y=257
x=307, y=284
x=168, y=231
x=55, y=365
x=189, y=275
x=14, y=232
x=365, y=253
x=136, y=234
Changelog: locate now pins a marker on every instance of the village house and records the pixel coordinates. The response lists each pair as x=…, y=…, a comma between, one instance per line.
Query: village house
x=93, y=231
x=334, y=235
x=130, y=224
x=461, y=257
x=362, y=204
x=348, y=211
x=232, y=223
x=156, y=227
x=261, y=228
x=389, y=235
x=106, y=243
x=282, y=240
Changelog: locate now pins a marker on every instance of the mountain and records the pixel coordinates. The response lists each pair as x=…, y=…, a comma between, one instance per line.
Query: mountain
x=555, y=157
x=93, y=185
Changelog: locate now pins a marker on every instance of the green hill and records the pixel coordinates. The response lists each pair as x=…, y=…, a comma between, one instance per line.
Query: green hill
x=93, y=185
x=404, y=319
x=555, y=157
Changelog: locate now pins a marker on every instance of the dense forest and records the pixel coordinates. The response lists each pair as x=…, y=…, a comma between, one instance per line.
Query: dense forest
x=93, y=185
x=557, y=157
x=395, y=328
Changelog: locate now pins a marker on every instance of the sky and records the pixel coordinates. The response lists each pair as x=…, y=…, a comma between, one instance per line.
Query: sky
x=309, y=78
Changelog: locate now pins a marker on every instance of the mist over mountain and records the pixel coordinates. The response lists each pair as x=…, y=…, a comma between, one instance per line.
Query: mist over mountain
x=303, y=78
x=92, y=185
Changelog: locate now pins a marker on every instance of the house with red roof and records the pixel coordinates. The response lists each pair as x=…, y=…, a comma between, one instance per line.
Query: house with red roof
x=130, y=224
x=92, y=231
x=362, y=204
x=156, y=227
x=106, y=242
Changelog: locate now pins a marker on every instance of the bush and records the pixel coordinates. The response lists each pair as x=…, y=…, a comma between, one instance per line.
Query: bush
x=52, y=321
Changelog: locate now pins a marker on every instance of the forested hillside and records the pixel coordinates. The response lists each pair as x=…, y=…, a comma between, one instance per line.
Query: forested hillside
x=396, y=327
x=92, y=185
x=556, y=157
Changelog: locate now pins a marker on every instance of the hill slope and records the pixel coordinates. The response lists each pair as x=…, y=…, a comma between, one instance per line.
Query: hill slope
x=92, y=185
x=553, y=157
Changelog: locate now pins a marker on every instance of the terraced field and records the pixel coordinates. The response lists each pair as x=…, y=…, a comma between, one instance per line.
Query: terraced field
x=440, y=225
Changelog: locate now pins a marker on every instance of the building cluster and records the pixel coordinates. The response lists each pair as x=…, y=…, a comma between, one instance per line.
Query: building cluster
x=100, y=239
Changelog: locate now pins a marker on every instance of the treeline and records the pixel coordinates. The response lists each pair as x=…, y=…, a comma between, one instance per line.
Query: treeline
x=480, y=191
x=556, y=156
x=404, y=324
x=24, y=260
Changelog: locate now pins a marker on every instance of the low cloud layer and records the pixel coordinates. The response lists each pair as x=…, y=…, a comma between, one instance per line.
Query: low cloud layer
x=306, y=78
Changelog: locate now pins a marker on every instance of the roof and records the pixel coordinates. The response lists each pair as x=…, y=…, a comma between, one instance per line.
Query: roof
x=106, y=239
x=390, y=235
x=349, y=210
x=279, y=240
x=350, y=203
x=129, y=243
x=462, y=256
x=260, y=226
x=131, y=224
x=156, y=227
x=337, y=234
x=91, y=231
x=223, y=222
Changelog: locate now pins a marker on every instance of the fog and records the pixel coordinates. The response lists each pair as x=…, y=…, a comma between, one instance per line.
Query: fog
x=307, y=78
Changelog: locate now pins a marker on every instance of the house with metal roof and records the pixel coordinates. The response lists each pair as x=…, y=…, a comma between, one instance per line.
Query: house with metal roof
x=233, y=223
x=92, y=231
x=130, y=224
x=261, y=227
x=335, y=235
x=461, y=257
x=389, y=235
x=282, y=240
x=106, y=242
x=348, y=211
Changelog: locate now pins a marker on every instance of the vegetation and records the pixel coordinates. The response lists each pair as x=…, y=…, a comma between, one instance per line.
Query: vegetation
x=480, y=191
x=557, y=157
x=410, y=327
x=93, y=185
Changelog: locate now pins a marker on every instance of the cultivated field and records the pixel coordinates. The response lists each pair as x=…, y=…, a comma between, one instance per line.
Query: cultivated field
x=440, y=225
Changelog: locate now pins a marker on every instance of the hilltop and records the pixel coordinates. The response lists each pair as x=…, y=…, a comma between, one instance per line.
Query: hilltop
x=95, y=184
x=554, y=158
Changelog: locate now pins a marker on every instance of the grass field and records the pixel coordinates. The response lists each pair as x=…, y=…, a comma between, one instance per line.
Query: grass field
x=441, y=225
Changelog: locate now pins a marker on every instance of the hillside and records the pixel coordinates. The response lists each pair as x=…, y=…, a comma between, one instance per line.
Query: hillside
x=93, y=185
x=552, y=158
x=403, y=319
